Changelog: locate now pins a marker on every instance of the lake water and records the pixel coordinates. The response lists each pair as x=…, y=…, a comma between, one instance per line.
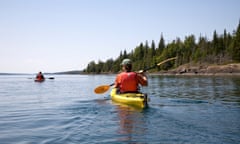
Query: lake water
x=190, y=109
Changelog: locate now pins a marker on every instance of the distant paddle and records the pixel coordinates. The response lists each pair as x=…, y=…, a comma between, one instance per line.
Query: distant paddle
x=45, y=78
x=103, y=88
x=51, y=78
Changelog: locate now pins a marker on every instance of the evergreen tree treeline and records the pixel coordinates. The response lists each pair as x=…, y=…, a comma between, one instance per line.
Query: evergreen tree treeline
x=221, y=49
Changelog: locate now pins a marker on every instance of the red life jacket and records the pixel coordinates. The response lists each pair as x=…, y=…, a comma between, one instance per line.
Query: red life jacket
x=128, y=82
x=39, y=77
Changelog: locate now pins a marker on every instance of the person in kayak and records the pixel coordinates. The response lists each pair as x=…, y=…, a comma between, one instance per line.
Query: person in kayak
x=40, y=76
x=127, y=80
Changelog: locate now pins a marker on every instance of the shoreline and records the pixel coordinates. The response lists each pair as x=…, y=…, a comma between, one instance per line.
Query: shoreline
x=232, y=69
x=192, y=74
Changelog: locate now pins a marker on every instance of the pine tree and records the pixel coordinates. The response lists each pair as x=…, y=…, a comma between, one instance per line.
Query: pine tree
x=236, y=45
x=161, y=45
x=153, y=48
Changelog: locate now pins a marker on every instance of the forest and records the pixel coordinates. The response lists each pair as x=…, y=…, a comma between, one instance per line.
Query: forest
x=221, y=49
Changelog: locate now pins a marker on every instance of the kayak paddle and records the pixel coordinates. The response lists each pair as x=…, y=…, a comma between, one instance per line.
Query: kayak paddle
x=45, y=78
x=156, y=65
x=51, y=78
x=103, y=88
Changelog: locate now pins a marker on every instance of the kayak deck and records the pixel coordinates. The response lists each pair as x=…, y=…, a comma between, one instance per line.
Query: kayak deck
x=39, y=80
x=134, y=99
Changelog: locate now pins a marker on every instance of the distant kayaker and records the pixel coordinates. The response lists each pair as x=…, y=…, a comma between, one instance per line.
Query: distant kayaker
x=40, y=76
x=128, y=81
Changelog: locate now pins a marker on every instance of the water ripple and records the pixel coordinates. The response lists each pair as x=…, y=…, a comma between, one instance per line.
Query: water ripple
x=66, y=110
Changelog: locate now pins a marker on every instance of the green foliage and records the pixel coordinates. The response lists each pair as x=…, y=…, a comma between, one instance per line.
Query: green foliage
x=235, y=47
x=222, y=49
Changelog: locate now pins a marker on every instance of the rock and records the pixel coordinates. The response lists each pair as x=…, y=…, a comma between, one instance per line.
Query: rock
x=207, y=69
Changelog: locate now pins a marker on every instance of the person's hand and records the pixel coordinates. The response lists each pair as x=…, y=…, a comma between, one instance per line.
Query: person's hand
x=141, y=72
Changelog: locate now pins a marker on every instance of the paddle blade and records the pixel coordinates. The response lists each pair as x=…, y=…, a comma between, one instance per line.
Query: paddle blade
x=102, y=89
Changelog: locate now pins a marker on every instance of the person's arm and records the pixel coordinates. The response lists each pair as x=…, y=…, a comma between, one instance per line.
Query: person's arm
x=37, y=76
x=142, y=78
x=116, y=83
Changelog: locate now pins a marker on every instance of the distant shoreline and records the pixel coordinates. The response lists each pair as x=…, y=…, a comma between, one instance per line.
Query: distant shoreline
x=184, y=70
x=14, y=74
x=149, y=74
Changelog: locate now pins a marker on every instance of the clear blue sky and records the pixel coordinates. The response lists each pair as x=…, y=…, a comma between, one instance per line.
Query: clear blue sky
x=62, y=35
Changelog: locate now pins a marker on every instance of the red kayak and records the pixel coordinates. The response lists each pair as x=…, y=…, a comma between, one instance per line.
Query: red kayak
x=39, y=80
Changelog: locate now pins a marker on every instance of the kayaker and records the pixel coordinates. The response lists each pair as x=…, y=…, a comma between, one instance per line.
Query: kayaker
x=40, y=76
x=127, y=80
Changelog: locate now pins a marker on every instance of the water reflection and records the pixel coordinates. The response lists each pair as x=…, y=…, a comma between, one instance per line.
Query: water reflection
x=236, y=89
x=131, y=123
x=211, y=89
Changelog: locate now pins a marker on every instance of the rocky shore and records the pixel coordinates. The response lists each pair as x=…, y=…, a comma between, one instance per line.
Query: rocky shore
x=203, y=69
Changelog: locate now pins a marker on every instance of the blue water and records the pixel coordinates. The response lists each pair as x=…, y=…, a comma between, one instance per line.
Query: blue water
x=66, y=110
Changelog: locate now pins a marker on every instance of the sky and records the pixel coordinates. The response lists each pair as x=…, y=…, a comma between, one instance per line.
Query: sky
x=64, y=35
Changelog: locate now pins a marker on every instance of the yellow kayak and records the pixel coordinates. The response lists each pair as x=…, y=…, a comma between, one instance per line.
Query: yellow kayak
x=134, y=99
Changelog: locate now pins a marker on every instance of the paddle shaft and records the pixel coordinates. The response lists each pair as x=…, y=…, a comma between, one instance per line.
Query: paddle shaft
x=44, y=78
x=156, y=65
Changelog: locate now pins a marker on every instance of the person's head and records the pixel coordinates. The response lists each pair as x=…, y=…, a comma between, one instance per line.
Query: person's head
x=127, y=64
